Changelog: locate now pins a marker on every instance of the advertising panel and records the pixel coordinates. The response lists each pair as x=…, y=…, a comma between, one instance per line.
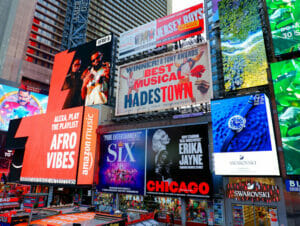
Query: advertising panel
x=243, y=136
x=242, y=44
x=284, y=17
x=177, y=161
x=174, y=27
x=215, y=10
x=122, y=162
x=52, y=147
x=18, y=103
x=81, y=75
x=286, y=81
x=167, y=81
x=292, y=185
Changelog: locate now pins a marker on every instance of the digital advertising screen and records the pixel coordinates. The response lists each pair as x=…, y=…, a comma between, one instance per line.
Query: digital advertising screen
x=242, y=44
x=177, y=161
x=243, y=136
x=284, y=17
x=215, y=10
x=170, y=80
x=286, y=82
x=81, y=75
x=18, y=103
x=168, y=29
x=122, y=162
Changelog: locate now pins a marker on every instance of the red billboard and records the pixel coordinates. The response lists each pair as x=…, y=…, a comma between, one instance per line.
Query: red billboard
x=171, y=28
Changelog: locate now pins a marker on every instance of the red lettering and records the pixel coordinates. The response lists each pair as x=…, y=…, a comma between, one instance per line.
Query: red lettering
x=138, y=84
x=182, y=188
x=173, y=187
x=203, y=188
x=166, y=186
x=169, y=66
x=150, y=185
x=178, y=91
x=159, y=186
x=193, y=187
x=164, y=78
x=153, y=80
x=162, y=69
x=154, y=71
x=170, y=93
x=147, y=72
x=172, y=77
x=163, y=88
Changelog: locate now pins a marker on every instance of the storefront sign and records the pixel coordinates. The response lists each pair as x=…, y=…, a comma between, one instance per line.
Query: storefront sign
x=177, y=161
x=122, y=162
x=174, y=27
x=253, y=191
x=292, y=185
x=243, y=136
x=171, y=80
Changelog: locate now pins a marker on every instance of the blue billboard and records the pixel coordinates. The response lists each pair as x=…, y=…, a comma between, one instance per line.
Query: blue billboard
x=122, y=162
x=243, y=136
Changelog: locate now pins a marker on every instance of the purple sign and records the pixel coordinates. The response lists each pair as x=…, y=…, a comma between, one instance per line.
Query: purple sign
x=122, y=162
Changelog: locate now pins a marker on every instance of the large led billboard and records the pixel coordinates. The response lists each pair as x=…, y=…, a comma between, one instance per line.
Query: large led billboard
x=170, y=80
x=242, y=44
x=18, y=103
x=52, y=148
x=286, y=82
x=284, y=17
x=84, y=75
x=122, y=162
x=243, y=136
x=177, y=161
x=171, y=28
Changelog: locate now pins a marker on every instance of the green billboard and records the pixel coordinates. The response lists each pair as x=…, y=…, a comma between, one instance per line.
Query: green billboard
x=242, y=44
x=286, y=81
x=284, y=17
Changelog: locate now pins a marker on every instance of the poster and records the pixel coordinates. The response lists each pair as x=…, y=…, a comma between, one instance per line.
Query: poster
x=177, y=161
x=18, y=103
x=286, y=77
x=242, y=44
x=168, y=29
x=284, y=17
x=243, y=136
x=171, y=80
x=122, y=162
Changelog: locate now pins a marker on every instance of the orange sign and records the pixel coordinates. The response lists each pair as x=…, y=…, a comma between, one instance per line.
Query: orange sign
x=88, y=147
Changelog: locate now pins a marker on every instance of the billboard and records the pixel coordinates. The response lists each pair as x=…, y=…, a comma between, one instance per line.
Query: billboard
x=242, y=44
x=171, y=28
x=243, y=136
x=166, y=81
x=286, y=77
x=215, y=10
x=81, y=75
x=52, y=146
x=122, y=162
x=18, y=103
x=177, y=161
x=284, y=17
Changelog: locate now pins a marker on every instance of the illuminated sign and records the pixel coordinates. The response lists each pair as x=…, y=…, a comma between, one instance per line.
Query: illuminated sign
x=174, y=27
x=243, y=50
x=122, y=162
x=18, y=103
x=284, y=20
x=286, y=77
x=243, y=136
x=164, y=82
x=292, y=185
x=177, y=161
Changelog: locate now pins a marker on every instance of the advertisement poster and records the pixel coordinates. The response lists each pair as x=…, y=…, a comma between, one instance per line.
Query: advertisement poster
x=284, y=17
x=215, y=10
x=243, y=136
x=166, y=81
x=122, y=162
x=18, y=103
x=86, y=74
x=177, y=161
x=292, y=185
x=242, y=44
x=286, y=81
x=174, y=27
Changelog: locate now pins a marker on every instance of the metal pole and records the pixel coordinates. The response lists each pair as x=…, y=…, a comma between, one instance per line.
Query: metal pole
x=117, y=202
x=183, y=211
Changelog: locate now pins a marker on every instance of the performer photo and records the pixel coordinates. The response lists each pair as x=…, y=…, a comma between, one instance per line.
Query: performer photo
x=73, y=82
x=95, y=80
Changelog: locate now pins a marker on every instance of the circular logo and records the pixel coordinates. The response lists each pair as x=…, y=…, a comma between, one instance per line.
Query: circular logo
x=237, y=123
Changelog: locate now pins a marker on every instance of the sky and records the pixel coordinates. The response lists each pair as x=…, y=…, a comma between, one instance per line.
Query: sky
x=183, y=4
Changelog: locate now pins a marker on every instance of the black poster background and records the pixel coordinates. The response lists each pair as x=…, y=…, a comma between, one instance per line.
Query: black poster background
x=170, y=171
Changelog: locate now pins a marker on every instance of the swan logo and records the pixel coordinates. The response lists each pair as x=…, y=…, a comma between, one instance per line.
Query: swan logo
x=250, y=186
